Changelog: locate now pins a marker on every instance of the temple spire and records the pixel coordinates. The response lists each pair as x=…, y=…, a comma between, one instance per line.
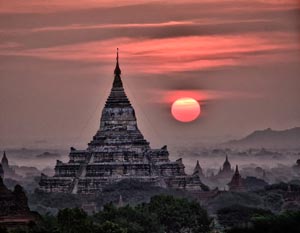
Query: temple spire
x=117, y=97
x=198, y=169
x=117, y=71
x=117, y=80
x=4, y=160
x=237, y=169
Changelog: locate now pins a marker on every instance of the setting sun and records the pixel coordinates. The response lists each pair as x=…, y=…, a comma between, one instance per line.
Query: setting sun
x=185, y=109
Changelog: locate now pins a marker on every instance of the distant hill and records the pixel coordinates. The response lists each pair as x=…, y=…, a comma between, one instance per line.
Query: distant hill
x=268, y=138
x=47, y=155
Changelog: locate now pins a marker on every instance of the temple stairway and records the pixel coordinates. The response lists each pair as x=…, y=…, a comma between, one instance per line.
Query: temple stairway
x=81, y=173
x=75, y=187
x=91, y=160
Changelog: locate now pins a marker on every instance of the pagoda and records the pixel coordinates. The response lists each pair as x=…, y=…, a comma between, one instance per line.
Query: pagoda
x=6, y=171
x=118, y=151
x=198, y=170
x=226, y=171
x=236, y=183
x=14, y=207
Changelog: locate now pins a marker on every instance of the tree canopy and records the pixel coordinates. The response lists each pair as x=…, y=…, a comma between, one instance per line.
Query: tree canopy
x=163, y=214
x=286, y=222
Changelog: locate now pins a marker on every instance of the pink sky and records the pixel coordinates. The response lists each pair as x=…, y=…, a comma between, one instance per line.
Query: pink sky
x=46, y=6
x=240, y=59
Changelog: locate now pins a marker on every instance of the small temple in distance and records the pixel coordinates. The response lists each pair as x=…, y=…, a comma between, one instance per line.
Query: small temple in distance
x=1, y=171
x=226, y=171
x=6, y=171
x=14, y=207
x=198, y=170
x=236, y=183
x=118, y=151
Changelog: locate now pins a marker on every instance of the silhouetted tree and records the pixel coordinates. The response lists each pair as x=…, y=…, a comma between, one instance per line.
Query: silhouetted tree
x=162, y=214
x=238, y=215
x=133, y=220
x=73, y=221
x=179, y=215
x=288, y=222
x=110, y=227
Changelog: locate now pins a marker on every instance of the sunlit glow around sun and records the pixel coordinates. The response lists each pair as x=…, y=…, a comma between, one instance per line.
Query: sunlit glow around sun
x=185, y=109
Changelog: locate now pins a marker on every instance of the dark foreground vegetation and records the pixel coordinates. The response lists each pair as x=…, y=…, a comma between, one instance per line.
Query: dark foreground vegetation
x=162, y=214
x=288, y=222
x=238, y=215
x=133, y=192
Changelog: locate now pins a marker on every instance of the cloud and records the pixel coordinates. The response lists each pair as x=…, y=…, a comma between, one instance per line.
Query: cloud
x=201, y=95
x=149, y=12
x=37, y=6
x=171, y=54
x=34, y=6
x=151, y=20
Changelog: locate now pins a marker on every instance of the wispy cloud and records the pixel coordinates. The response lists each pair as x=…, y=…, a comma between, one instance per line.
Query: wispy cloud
x=170, y=54
x=202, y=96
x=37, y=6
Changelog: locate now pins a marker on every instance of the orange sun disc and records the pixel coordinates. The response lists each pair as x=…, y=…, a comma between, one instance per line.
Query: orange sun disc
x=185, y=109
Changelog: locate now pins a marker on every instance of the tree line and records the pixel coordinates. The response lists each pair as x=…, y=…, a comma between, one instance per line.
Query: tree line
x=163, y=214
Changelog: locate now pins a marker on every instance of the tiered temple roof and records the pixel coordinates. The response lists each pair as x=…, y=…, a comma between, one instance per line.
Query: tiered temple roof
x=118, y=151
x=236, y=183
x=6, y=171
x=226, y=171
x=14, y=208
x=198, y=170
x=1, y=171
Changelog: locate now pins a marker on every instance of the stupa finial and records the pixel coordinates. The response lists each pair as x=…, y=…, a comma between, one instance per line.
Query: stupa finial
x=117, y=69
x=237, y=169
x=117, y=55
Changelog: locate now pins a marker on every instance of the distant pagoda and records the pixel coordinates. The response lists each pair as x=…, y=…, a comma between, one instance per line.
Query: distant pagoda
x=226, y=171
x=118, y=151
x=236, y=184
x=6, y=171
x=198, y=170
x=14, y=210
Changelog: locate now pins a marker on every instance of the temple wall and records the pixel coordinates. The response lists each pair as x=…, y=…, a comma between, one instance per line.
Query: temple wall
x=191, y=183
x=118, y=115
x=158, y=155
x=59, y=184
x=67, y=170
x=78, y=157
x=110, y=170
x=96, y=184
x=171, y=169
x=118, y=156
